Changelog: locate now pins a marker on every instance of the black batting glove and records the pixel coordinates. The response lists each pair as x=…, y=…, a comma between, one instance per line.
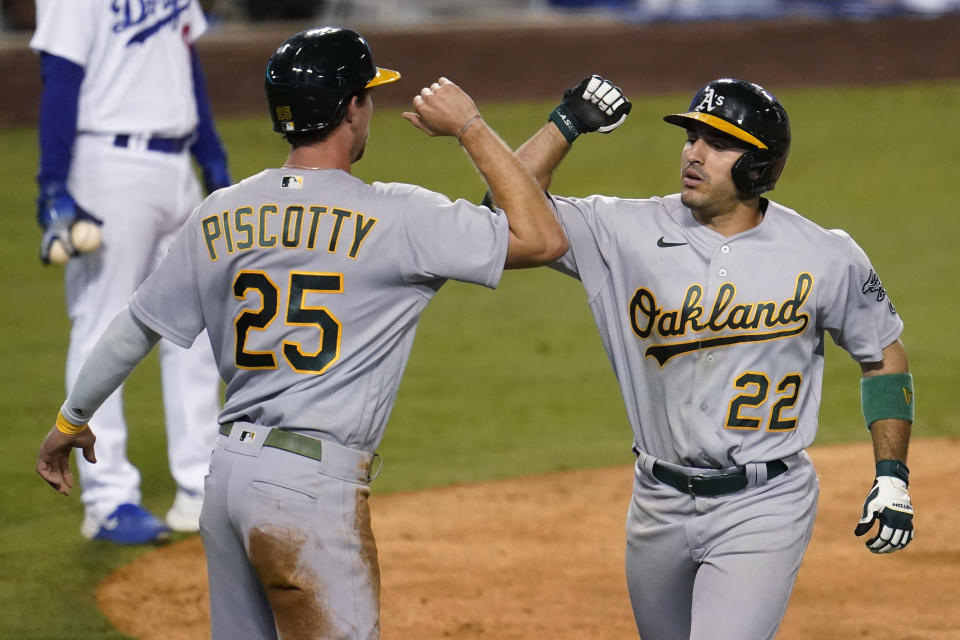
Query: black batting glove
x=595, y=104
x=888, y=502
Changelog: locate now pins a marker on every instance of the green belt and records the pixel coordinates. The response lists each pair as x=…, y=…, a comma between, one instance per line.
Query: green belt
x=286, y=441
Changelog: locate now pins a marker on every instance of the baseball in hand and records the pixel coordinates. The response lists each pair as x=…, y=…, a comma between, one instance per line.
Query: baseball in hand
x=58, y=253
x=85, y=236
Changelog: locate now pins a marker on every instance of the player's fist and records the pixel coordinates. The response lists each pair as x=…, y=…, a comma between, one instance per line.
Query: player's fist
x=595, y=104
x=68, y=229
x=889, y=503
x=443, y=109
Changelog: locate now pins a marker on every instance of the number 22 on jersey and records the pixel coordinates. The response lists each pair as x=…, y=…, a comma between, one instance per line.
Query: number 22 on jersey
x=300, y=358
x=756, y=388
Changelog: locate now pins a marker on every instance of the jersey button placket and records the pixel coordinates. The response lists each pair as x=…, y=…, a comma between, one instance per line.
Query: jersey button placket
x=724, y=252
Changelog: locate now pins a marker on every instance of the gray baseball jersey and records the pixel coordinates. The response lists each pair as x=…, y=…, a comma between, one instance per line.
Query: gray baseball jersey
x=717, y=343
x=310, y=284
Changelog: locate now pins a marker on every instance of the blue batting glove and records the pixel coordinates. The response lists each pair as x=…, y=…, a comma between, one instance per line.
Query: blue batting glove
x=56, y=213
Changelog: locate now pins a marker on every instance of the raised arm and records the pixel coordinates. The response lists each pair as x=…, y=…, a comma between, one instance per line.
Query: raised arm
x=595, y=104
x=536, y=237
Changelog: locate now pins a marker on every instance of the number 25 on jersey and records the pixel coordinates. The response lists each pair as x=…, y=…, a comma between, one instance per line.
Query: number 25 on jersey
x=300, y=358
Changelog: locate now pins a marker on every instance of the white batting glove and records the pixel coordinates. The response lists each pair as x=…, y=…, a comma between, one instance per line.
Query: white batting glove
x=888, y=502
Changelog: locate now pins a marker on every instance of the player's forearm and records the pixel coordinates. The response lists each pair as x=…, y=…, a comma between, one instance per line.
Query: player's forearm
x=891, y=436
x=891, y=439
x=536, y=235
x=122, y=346
x=543, y=152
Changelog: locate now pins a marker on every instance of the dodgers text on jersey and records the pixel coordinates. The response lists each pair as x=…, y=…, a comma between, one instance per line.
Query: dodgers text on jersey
x=146, y=17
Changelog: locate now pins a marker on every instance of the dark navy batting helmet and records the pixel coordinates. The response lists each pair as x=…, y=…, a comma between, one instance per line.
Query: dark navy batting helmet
x=313, y=74
x=751, y=114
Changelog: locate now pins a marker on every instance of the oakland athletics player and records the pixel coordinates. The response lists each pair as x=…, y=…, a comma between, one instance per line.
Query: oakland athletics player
x=712, y=305
x=123, y=102
x=310, y=284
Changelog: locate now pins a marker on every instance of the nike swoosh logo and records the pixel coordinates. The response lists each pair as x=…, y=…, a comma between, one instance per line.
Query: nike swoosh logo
x=663, y=243
x=110, y=524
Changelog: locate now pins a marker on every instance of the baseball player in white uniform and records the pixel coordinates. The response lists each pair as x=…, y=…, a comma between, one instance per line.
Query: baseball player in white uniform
x=123, y=108
x=309, y=283
x=712, y=305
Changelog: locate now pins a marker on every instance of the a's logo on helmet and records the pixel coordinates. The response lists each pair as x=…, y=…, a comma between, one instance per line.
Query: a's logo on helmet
x=710, y=101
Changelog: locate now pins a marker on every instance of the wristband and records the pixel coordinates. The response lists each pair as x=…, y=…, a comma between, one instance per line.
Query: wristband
x=887, y=396
x=893, y=468
x=565, y=121
x=67, y=427
x=466, y=125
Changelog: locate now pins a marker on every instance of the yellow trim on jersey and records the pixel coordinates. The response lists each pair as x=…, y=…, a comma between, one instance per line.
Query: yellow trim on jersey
x=263, y=306
x=327, y=314
x=360, y=233
x=744, y=382
x=723, y=125
x=785, y=403
x=383, y=77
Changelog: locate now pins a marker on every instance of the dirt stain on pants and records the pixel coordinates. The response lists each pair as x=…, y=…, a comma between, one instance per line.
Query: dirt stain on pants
x=295, y=596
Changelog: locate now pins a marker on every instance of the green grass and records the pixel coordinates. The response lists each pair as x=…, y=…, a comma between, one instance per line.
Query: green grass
x=500, y=383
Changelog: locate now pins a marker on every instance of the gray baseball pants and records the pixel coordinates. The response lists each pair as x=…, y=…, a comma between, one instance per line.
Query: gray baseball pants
x=717, y=568
x=290, y=551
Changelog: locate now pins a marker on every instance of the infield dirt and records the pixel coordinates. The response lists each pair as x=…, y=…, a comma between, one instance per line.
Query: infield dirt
x=541, y=557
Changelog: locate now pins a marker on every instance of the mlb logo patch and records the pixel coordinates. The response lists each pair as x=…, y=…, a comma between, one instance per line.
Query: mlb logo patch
x=288, y=126
x=292, y=182
x=247, y=436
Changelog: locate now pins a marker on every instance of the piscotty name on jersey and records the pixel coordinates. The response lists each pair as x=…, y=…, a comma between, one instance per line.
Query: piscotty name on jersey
x=265, y=226
x=739, y=323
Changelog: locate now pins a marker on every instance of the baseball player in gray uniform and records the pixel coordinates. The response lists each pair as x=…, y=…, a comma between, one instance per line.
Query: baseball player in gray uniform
x=310, y=283
x=712, y=305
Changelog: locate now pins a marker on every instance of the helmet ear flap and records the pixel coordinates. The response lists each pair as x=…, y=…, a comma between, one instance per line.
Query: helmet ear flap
x=757, y=171
x=741, y=173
